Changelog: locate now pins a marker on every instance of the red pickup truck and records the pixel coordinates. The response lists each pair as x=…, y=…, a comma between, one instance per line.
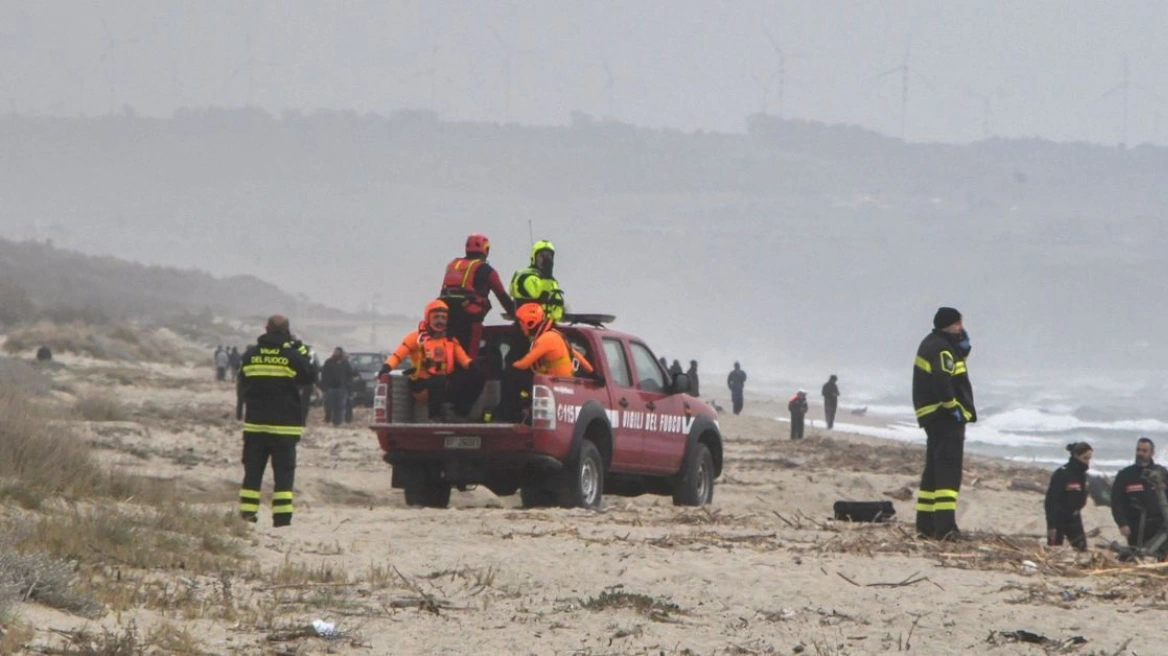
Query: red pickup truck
x=630, y=429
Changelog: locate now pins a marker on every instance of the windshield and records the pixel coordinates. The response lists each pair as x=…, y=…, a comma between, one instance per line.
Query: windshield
x=366, y=361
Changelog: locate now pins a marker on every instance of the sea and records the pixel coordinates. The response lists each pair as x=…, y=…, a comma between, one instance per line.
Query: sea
x=1020, y=420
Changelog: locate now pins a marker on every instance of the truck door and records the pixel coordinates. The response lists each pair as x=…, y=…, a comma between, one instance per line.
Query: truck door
x=627, y=442
x=663, y=433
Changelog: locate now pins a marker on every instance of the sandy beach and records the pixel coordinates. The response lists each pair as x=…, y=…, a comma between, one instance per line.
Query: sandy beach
x=763, y=570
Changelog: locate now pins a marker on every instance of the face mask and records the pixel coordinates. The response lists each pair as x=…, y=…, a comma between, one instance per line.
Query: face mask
x=964, y=344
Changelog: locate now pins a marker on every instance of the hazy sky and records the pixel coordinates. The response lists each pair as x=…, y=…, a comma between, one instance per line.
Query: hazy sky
x=1000, y=67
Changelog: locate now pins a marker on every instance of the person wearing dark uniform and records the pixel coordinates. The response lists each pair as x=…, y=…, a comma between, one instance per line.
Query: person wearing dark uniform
x=797, y=406
x=270, y=377
x=943, y=399
x=694, y=387
x=1133, y=498
x=536, y=284
x=830, y=400
x=736, y=381
x=1066, y=497
x=466, y=290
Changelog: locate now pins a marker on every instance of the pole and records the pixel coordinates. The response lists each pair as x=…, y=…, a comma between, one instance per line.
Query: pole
x=530, y=232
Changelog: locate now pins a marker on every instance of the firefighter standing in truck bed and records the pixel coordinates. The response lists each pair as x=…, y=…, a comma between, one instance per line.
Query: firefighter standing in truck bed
x=943, y=399
x=270, y=377
x=466, y=290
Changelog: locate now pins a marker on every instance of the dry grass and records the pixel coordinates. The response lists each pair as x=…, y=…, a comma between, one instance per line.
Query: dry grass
x=91, y=525
x=130, y=641
x=101, y=406
x=117, y=342
x=41, y=459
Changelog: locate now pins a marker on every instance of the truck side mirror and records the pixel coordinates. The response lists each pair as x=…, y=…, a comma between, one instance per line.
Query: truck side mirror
x=681, y=384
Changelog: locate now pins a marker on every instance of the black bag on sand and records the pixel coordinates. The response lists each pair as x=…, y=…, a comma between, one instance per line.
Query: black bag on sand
x=864, y=511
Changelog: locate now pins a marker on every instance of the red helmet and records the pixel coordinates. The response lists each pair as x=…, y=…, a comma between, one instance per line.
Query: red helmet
x=478, y=245
x=531, y=318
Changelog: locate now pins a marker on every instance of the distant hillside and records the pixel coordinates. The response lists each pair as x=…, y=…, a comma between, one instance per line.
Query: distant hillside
x=67, y=283
x=795, y=245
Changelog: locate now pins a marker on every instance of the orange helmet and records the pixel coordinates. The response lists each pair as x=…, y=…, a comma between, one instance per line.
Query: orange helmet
x=435, y=307
x=530, y=317
x=478, y=245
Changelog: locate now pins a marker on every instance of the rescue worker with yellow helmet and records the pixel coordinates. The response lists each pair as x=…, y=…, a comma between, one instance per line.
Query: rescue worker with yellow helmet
x=536, y=284
x=442, y=371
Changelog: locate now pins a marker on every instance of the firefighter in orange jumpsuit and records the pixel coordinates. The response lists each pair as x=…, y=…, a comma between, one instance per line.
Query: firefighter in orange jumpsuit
x=550, y=352
x=442, y=371
x=466, y=290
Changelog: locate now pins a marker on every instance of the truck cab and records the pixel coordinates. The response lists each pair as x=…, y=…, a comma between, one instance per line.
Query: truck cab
x=629, y=429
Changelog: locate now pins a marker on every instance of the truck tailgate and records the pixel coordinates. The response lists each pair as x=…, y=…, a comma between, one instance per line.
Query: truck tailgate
x=465, y=439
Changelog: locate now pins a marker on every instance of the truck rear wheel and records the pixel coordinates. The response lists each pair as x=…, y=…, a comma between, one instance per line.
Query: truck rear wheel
x=584, y=484
x=427, y=489
x=695, y=487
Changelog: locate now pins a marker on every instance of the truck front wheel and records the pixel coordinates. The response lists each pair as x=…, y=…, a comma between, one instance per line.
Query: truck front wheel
x=695, y=487
x=584, y=487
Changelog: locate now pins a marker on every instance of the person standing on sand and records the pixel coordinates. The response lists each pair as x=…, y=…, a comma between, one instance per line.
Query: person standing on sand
x=233, y=361
x=736, y=381
x=797, y=406
x=830, y=400
x=1066, y=497
x=221, y=362
x=270, y=406
x=943, y=398
x=1133, y=498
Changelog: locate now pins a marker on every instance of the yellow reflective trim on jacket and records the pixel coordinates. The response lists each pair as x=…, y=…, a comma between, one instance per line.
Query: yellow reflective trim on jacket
x=922, y=363
x=294, y=431
x=948, y=405
x=268, y=370
x=959, y=368
x=948, y=362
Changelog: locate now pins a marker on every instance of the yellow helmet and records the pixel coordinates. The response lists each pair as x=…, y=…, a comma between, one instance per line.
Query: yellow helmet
x=539, y=246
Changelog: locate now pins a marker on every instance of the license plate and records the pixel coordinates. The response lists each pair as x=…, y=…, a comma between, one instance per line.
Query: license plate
x=462, y=442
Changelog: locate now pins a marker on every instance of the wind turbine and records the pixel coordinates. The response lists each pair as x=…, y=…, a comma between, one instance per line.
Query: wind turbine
x=1124, y=88
x=780, y=70
x=508, y=59
x=906, y=75
x=249, y=65
x=609, y=86
x=507, y=54
x=987, y=110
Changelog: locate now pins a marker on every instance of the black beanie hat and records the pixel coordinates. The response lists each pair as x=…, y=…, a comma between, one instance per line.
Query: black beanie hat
x=946, y=316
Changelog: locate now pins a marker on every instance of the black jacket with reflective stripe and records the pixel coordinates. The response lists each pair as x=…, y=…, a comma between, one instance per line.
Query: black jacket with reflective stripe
x=1066, y=495
x=269, y=377
x=941, y=382
x=1132, y=496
